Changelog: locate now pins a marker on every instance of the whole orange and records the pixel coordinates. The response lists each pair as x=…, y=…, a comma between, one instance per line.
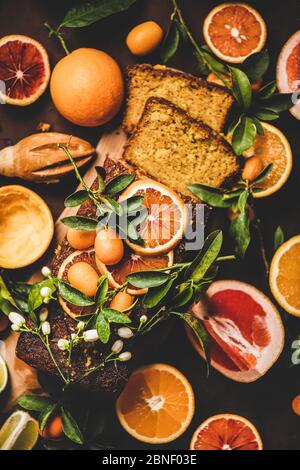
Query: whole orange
x=87, y=87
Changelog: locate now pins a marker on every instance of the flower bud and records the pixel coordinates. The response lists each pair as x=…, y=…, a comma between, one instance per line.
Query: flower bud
x=46, y=272
x=90, y=336
x=63, y=344
x=45, y=292
x=15, y=327
x=46, y=328
x=117, y=346
x=143, y=319
x=125, y=356
x=43, y=314
x=16, y=318
x=80, y=326
x=125, y=332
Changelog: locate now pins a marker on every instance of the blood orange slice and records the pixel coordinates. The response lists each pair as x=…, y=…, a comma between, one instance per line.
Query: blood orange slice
x=245, y=329
x=157, y=404
x=226, y=432
x=24, y=70
x=132, y=263
x=233, y=31
x=167, y=217
x=87, y=256
x=288, y=71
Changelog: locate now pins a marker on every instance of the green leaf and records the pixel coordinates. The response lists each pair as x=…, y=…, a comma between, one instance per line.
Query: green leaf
x=212, y=197
x=76, y=199
x=201, y=334
x=35, y=300
x=264, y=174
x=5, y=293
x=256, y=65
x=265, y=114
x=74, y=296
x=214, y=64
x=103, y=328
x=259, y=126
x=170, y=43
x=102, y=290
x=278, y=238
x=155, y=295
x=133, y=204
x=70, y=427
x=45, y=415
x=267, y=91
x=202, y=67
x=241, y=88
x=118, y=184
x=148, y=279
x=101, y=175
x=183, y=297
x=114, y=206
x=34, y=402
x=80, y=223
x=89, y=13
x=206, y=257
x=235, y=194
x=115, y=316
x=244, y=135
x=279, y=103
x=240, y=232
x=243, y=199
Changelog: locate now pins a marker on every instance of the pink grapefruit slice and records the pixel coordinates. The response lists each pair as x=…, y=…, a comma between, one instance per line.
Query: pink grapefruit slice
x=245, y=329
x=288, y=71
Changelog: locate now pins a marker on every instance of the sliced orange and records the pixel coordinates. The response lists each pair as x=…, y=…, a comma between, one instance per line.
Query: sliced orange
x=132, y=263
x=273, y=147
x=234, y=31
x=24, y=69
x=285, y=276
x=167, y=217
x=157, y=404
x=226, y=432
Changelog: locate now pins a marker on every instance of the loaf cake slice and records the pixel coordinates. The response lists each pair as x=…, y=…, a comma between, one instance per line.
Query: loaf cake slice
x=171, y=147
x=201, y=100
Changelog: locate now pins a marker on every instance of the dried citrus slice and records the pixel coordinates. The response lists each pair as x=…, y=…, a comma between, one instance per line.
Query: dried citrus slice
x=24, y=70
x=3, y=374
x=285, y=276
x=157, y=404
x=246, y=334
x=233, y=31
x=87, y=256
x=167, y=217
x=288, y=71
x=19, y=432
x=273, y=147
x=226, y=432
x=132, y=263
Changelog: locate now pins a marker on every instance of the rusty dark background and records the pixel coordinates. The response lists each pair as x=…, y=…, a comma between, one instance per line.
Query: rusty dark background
x=267, y=403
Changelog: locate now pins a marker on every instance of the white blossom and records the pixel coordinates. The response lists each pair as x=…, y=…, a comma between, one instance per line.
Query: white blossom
x=63, y=344
x=125, y=356
x=43, y=314
x=45, y=292
x=117, y=346
x=80, y=326
x=16, y=318
x=46, y=271
x=143, y=319
x=15, y=327
x=46, y=328
x=90, y=336
x=125, y=332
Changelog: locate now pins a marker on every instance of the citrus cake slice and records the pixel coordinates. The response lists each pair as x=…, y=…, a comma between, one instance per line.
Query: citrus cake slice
x=202, y=100
x=171, y=147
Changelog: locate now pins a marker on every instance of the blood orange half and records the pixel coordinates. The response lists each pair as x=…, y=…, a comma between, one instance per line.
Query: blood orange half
x=288, y=71
x=233, y=31
x=245, y=329
x=24, y=70
x=226, y=432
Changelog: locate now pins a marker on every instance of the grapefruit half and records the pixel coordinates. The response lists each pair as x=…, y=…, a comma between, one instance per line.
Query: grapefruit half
x=245, y=329
x=288, y=71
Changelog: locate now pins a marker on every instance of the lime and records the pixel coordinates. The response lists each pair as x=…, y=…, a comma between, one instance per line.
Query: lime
x=3, y=374
x=19, y=432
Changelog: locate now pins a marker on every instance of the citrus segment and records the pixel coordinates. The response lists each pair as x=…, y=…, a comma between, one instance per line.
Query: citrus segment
x=19, y=432
x=24, y=70
x=3, y=374
x=233, y=31
x=226, y=432
x=285, y=276
x=167, y=217
x=245, y=330
x=157, y=404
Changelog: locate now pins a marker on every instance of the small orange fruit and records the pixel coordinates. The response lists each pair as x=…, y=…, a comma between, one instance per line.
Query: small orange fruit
x=122, y=301
x=252, y=169
x=84, y=278
x=4, y=322
x=87, y=87
x=157, y=404
x=81, y=239
x=109, y=247
x=53, y=429
x=296, y=405
x=144, y=38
